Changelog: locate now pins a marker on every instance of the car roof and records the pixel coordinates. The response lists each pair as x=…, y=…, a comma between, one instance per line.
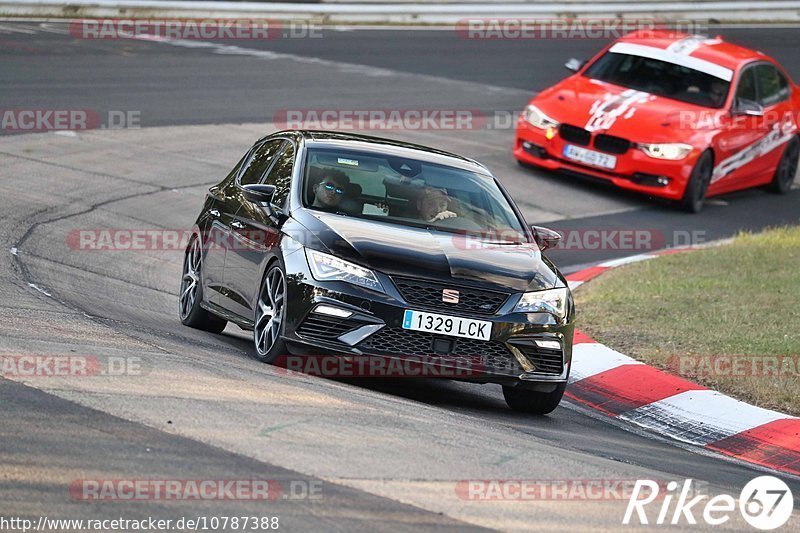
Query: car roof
x=391, y=147
x=714, y=50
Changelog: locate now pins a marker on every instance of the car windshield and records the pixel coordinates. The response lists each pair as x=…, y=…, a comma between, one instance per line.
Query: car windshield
x=409, y=192
x=660, y=78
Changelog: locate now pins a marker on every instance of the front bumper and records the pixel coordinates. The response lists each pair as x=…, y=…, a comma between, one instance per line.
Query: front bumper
x=374, y=329
x=634, y=170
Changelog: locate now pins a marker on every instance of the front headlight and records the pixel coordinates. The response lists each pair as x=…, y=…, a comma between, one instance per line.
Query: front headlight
x=325, y=267
x=537, y=119
x=553, y=301
x=671, y=151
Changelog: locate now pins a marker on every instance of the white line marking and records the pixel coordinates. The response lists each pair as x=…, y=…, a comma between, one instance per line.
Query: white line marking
x=627, y=260
x=38, y=288
x=590, y=358
x=700, y=416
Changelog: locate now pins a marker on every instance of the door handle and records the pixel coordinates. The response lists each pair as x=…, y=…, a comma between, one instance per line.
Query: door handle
x=236, y=224
x=214, y=213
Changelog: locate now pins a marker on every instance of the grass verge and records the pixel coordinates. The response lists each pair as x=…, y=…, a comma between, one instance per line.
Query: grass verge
x=727, y=317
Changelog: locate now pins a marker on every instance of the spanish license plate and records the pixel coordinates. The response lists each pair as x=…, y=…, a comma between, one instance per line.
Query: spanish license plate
x=590, y=157
x=447, y=325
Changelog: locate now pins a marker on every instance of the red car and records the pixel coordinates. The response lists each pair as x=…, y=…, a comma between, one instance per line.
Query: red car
x=677, y=116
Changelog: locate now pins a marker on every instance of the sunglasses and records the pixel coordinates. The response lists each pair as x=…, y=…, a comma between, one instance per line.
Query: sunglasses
x=332, y=186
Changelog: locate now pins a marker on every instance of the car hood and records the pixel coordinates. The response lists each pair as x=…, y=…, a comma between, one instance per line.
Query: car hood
x=606, y=108
x=433, y=255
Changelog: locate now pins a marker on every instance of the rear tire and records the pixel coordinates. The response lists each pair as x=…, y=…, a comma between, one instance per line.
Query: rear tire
x=695, y=193
x=532, y=401
x=191, y=292
x=787, y=168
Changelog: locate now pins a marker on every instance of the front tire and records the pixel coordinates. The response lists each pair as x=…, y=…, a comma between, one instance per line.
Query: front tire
x=191, y=295
x=532, y=401
x=787, y=168
x=270, y=316
x=695, y=193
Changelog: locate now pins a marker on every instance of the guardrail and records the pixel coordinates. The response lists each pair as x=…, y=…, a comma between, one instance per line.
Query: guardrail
x=407, y=13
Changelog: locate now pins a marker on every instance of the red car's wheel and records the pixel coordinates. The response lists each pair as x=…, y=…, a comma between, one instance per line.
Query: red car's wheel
x=787, y=168
x=695, y=192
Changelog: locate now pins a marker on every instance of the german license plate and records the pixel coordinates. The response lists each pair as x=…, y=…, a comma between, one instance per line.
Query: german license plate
x=590, y=157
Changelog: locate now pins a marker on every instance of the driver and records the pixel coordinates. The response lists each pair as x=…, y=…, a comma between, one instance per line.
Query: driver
x=717, y=92
x=330, y=189
x=432, y=205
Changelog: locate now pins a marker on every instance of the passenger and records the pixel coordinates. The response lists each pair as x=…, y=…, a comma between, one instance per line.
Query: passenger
x=432, y=205
x=330, y=189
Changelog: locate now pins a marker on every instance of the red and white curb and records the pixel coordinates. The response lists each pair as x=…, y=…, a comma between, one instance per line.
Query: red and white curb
x=670, y=406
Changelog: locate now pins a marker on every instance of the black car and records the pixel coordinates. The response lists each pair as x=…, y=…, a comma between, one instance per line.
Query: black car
x=356, y=246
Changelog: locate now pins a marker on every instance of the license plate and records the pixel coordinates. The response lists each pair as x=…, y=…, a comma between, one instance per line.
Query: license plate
x=590, y=157
x=447, y=325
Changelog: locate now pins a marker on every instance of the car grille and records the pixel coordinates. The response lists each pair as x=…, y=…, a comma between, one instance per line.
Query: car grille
x=427, y=294
x=544, y=360
x=574, y=134
x=326, y=328
x=492, y=356
x=611, y=144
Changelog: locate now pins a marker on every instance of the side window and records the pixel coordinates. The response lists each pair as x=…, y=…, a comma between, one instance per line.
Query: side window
x=772, y=85
x=281, y=175
x=747, y=86
x=259, y=161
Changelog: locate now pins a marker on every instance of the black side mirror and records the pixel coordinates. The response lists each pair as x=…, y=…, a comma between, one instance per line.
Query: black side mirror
x=748, y=108
x=258, y=193
x=574, y=64
x=545, y=237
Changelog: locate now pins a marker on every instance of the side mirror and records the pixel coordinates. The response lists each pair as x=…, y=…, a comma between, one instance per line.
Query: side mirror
x=574, y=64
x=748, y=108
x=545, y=237
x=258, y=193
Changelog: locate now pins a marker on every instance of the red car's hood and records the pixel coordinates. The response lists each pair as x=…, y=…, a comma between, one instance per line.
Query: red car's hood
x=605, y=108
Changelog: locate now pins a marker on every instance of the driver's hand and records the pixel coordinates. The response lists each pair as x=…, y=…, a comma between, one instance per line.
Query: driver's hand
x=443, y=215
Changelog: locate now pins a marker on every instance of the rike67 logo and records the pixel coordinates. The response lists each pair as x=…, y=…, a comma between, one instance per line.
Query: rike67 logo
x=766, y=503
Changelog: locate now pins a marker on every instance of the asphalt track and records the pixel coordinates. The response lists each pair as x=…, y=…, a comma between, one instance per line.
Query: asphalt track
x=389, y=453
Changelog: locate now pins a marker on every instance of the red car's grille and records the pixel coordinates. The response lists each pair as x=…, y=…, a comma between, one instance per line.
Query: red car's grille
x=603, y=142
x=611, y=144
x=574, y=134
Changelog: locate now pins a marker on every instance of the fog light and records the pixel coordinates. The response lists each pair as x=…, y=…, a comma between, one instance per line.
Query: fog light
x=526, y=145
x=549, y=345
x=332, y=311
x=663, y=181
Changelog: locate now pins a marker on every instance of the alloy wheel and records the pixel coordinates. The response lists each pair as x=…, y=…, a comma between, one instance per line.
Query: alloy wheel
x=269, y=313
x=191, y=278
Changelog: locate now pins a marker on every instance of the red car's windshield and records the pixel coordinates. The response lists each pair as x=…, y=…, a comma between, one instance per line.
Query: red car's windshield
x=660, y=78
